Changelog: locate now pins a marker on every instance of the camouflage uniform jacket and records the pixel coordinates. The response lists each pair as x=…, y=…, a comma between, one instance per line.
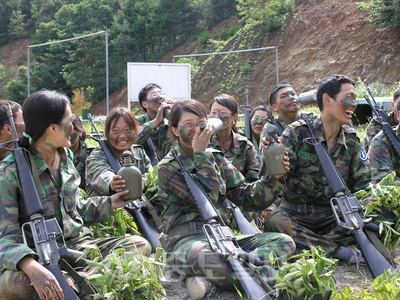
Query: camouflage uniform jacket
x=159, y=135
x=382, y=156
x=310, y=115
x=218, y=178
x=242, y=155
x=99, y=173
x=80, y=161
x=306, y=181
x=374, y=127
x=63, y=202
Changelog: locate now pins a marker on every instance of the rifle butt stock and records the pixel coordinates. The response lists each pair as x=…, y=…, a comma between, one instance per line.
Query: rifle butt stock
x=69, y=293
x=247, y=126
x=206, y=209
x=249, y=285
x=27, y=183
x=242, y=223
x=376, y=262
x=146, y=227
x=335, y=180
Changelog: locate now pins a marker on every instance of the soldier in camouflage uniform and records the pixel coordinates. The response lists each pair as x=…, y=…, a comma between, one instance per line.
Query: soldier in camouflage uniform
x=79, y=148
x=47, y=116
x=6, y=133
x=258, y=118
x=121, y=132
x=375, y=126
x=153, y=123
x=237, y=149
x=283, y=101
x=305, y=212
x=382, y=156
x=188, y=250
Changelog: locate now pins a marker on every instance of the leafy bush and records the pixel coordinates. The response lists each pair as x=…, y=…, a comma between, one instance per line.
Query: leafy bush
x=310, y=276
x=271, y=13
x=121, y=279
x=382, y=12
x=205, y=37
x=384, y=287
x=384, y=195
x=226, y=33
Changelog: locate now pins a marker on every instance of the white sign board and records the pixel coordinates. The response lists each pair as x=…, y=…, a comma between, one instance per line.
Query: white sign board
x=174, y=79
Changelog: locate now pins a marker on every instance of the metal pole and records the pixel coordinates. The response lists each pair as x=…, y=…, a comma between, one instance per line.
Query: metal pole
x=29, y=76
x=107, y=86
x=277, y=65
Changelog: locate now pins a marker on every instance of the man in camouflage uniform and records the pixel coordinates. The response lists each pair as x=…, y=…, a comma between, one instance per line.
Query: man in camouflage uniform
x=375, y=126
x=79, y=148
x=284, y=102
x=382, y=156
x=188, y=250
x=153, y=123
x=305, y=212
x=6, y=133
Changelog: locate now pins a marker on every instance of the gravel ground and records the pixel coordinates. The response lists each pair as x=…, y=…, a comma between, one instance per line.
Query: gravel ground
x=345, y=276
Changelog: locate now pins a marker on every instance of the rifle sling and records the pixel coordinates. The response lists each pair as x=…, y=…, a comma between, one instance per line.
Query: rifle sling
x=153, y=213
x=378, y=244
x=79, y=279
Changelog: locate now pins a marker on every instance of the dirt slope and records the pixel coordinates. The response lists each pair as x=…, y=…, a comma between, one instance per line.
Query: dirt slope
x=324, y=37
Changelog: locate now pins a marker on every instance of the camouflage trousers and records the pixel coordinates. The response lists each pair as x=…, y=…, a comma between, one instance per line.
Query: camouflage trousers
x=192, y=256
x=15, y=285
x=309, y=229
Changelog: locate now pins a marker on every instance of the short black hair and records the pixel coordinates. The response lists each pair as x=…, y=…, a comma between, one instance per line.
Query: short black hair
x=396, y=96
x=4, y=104
x=272, y=95
x=332, y=85
x=143, y=93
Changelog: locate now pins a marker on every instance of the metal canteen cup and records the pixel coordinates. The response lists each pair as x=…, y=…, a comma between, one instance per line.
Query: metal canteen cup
x=307, y=97
x=216, y=124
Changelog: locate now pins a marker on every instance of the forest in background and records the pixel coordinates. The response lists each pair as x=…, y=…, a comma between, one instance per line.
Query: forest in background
x=140, y=31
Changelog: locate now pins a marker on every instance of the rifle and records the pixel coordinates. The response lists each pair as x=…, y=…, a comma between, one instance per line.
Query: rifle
x=271, y=118
x=247, y=112
x=346, y=208
x=151, y=151
x=383, y=119
x=222, y=240
x=241, y=222
x=138, y=207
x=46, y=234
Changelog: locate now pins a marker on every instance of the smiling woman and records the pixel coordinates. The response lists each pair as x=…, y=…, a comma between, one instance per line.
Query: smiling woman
x=121, y=130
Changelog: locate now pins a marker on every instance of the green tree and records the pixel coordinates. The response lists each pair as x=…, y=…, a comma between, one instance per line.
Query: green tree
x=6, y=9
x=271, y=13
x=17, y=26
x=222, y=10
x=383, y=12
x=17, y=89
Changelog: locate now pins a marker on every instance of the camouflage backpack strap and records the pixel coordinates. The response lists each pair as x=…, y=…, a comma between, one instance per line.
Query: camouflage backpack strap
x=152, y=211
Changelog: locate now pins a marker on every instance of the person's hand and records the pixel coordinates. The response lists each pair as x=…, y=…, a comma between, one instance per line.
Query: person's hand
x=117, y=201
x=202, y=138
x=286, y=163
x=44, y=282
x=117, y=183
x=160, y=112
x=266, y=142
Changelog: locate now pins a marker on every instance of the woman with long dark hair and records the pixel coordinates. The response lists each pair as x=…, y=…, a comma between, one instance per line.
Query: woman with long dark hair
x=47, y=115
